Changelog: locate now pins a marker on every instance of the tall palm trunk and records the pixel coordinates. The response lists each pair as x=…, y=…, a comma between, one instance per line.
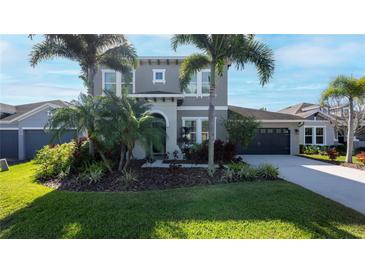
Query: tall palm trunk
x=122, y=155
x=211, y=125
x=90, y=80
x=350, y=132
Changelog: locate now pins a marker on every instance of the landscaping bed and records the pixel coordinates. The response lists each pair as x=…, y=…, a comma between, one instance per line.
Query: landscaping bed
x=145, y=179
x=339, y=161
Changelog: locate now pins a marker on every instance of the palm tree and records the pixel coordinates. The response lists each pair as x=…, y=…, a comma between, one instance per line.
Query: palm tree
x=89, y=50
x=128, y=121
x=83, y=116
x=219, y=50
x=350, y=89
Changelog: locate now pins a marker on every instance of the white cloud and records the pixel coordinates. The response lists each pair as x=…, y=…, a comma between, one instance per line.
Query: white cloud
x=314, y=54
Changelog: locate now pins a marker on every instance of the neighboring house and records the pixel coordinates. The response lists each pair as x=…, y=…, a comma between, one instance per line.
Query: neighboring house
x=322, y=121
x=318, y=126
x=156, y=81
x=22, y=129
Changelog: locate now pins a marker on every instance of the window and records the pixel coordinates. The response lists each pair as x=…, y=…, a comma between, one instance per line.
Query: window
x=191, y=130
x=159, y=76
x=127, y=82
x=192, y=87
x=205, y=82
x=197, y=129
x=319, y=135
x=199, y=84
x=205, y=130
x=308, y=135
x=314, y=135
x=110, y=82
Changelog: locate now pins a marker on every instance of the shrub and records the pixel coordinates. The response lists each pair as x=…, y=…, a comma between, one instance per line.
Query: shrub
x=127, y=177
x=81, y=155
x=267, y=172
x=359, y=150
x=54, y=161
x=332, y=153
x=93, y=172
x=223, y=152
x=361, y=157
x=341, y=149
x=242, y=171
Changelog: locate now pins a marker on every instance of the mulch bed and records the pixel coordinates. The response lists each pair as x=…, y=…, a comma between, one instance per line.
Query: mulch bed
x=147, y=179
x=357, y=166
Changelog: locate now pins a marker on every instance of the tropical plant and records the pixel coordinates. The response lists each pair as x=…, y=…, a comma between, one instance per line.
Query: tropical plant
x=349, y=89
x=92, y=173
x=241, y=129
x=267, y=172
x=83, y=116
x=125, y=121
x=218, y=51
x=90, y=51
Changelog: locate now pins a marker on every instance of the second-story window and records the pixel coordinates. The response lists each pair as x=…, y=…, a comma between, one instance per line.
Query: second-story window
x=127, y=82
x=159, y=76
x=110, y=82
x=192, y=87
x=205, y=81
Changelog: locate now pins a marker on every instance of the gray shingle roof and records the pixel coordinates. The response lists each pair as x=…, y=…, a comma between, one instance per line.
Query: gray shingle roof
x=22, y=109
x=263, y=115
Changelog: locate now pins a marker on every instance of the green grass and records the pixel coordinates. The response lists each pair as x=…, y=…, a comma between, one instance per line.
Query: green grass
x=275, y=209
x=340, y=159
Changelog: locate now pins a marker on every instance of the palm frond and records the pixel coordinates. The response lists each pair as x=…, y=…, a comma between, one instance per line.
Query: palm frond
x=201, y=41
x=248, y=50
x=191, y=65
x=50, y=48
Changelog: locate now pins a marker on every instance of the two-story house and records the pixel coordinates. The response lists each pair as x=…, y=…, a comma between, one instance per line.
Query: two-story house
x=156, y=82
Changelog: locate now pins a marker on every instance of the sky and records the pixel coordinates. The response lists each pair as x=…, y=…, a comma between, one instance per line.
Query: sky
x=304, y=65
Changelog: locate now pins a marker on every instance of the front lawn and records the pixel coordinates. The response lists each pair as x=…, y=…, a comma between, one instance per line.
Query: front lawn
x=272, y=209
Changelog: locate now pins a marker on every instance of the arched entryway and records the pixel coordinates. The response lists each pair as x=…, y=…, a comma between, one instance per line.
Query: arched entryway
x=163, y=123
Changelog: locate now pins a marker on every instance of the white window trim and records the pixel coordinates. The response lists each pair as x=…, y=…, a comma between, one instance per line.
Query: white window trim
x=199, y=126
x=314, y=139
x=118, y=81
x=163, y=81
x=199, y=85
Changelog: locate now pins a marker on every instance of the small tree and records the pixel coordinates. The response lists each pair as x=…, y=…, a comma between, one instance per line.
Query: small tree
x=241, y=129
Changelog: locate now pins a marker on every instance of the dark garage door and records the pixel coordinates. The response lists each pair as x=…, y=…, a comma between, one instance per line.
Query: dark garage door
x=269, y=141
x=36, y=139
x=9, y=144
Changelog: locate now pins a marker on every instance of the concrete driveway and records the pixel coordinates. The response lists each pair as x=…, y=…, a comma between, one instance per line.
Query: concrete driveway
x=342, y=184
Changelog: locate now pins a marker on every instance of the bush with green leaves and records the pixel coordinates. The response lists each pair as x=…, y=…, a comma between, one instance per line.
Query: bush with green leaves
x=127, y=177
x=93, y=173
x=267, y=172
x=242, y=171
x=54, y=161
x=241, y=129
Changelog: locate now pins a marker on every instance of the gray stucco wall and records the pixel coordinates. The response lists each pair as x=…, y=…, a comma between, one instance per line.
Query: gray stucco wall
x=144, y=83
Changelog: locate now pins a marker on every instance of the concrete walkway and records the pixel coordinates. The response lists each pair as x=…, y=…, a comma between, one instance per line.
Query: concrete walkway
x=160, y=164
x=342, y=184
